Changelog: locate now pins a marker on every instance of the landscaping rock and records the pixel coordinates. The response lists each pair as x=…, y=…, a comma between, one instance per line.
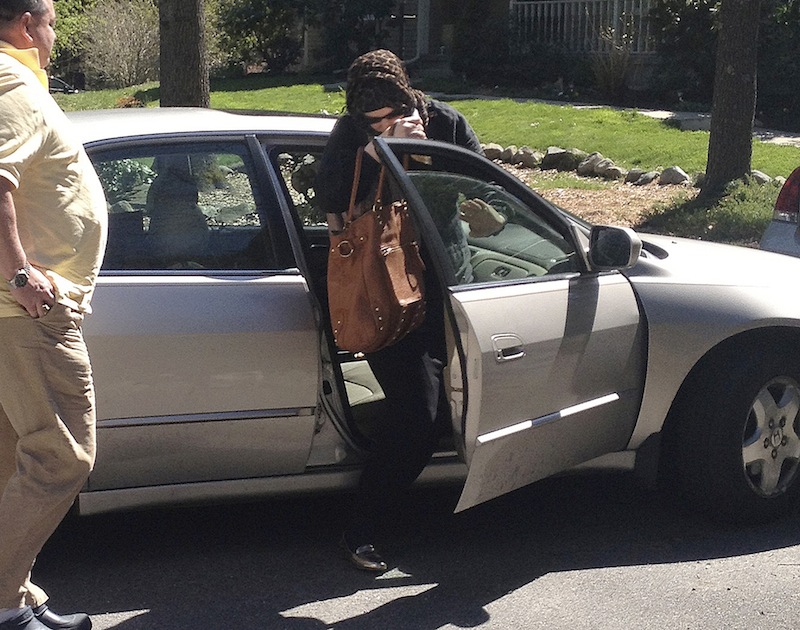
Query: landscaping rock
x=553, y=157
x=761, y=178
x=530, y=158
x=575, y=157
x=673, y=175
x=509, y=154
x=587, y=166
x=596, y=165
x=633, y=175
x=562, y=159
x=614, y=172
x=646, y=178
x=493, y=151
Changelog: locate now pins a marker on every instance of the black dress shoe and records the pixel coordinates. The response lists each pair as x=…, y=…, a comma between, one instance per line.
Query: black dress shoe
x=49, y=619
x=365, y=557
x=25, y=620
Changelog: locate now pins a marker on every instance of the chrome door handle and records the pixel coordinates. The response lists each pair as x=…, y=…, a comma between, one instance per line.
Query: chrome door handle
x=507, y=347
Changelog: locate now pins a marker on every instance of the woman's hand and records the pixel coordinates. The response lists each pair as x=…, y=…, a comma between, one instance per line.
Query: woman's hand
x=409, y=127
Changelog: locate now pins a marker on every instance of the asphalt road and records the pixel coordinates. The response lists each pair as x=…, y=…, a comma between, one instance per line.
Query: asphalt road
x=572, y=553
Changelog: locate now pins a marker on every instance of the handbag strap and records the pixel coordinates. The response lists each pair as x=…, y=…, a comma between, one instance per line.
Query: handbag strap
x=354, y=190
x=357, y=177
x=382, y=178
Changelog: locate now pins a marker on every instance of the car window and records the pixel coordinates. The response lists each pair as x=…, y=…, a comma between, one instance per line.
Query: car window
x=298, y=169
x=183, y=208
x=488, y=233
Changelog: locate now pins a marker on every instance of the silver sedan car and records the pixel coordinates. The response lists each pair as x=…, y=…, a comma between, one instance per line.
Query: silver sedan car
x=570, y=345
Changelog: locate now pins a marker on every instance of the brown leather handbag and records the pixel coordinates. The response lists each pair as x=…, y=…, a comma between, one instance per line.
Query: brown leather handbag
x=375, y=283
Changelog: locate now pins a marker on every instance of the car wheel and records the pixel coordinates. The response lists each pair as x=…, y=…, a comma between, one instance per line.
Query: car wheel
x=734, y=438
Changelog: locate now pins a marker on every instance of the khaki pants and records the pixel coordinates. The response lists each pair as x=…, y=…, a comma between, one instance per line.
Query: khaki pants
x=47, y=439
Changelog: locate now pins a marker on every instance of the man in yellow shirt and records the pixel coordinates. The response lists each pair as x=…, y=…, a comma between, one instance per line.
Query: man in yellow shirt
x=52, y=236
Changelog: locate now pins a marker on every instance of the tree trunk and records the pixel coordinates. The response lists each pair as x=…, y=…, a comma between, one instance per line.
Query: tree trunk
x=184, y=70
x=730, y=145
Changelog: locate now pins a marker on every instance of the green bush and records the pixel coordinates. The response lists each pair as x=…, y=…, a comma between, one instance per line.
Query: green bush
x=121, y=176
x=480, y=43
x=109, y=58
x=778, y=70
x=350, y=28
x=72, y=23
x=685, y=38
x=265, y=32
x=685, y=35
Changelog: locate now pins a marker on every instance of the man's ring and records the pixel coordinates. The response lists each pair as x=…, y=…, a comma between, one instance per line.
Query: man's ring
x=45, y=307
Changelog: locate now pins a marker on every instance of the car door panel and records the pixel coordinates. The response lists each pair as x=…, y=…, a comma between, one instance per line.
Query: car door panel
x=206, y=360
x=221, y=372
x=551, y=360
x=570, y=393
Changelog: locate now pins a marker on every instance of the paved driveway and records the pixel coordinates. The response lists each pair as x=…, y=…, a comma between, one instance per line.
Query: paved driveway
x=571, y=553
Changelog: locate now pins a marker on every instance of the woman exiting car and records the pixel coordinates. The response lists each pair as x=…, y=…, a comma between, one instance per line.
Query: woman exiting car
x=381, y=102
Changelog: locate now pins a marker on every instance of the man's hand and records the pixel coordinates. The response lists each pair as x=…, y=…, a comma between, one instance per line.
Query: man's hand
x=37, y=296
x=483, y=220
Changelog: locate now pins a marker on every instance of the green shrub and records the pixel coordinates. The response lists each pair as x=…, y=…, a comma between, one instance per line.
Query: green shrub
x=480, y=43
x=265, y=32
x=350, y=28
x=110, y=59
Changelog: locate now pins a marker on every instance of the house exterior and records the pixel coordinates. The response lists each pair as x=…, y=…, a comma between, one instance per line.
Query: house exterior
x=584, y=26
x=427, y=28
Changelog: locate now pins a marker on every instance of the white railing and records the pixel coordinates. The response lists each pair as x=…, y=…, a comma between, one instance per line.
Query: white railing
x=584, y=26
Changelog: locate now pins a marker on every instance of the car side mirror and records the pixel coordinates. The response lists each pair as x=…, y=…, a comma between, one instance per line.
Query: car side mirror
x=613, y=248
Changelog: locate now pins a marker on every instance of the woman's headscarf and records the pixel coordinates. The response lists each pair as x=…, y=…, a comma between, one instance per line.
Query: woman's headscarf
x=378, y=79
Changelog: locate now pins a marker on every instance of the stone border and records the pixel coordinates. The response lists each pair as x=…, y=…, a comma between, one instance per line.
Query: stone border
x=596, y=165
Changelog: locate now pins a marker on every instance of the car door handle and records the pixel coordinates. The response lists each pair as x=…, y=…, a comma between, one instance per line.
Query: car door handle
x=507, y=347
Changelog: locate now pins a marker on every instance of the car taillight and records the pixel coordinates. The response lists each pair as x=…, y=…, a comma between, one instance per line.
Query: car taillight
x=787, y=206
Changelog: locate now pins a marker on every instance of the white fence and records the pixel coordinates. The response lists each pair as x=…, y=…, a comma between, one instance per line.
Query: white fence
x=585, y=26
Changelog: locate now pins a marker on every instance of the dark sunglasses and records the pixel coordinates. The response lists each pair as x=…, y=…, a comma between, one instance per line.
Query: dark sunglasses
x=397, y=112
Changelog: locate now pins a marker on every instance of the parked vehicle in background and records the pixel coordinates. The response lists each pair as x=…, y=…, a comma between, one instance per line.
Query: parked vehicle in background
x=59, y=86
x=570, y=345
x=783, y=232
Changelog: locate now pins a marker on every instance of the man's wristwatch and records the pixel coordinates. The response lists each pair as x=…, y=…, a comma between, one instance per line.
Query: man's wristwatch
x=20, y=278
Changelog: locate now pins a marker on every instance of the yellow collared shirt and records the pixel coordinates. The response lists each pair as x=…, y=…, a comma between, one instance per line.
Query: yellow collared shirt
x=60, y=206
x=28, y=57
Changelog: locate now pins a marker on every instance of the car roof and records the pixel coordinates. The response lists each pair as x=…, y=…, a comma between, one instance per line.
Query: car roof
x=104, y=124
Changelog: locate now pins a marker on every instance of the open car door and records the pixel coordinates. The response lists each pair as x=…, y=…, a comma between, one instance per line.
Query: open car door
x=548, y=356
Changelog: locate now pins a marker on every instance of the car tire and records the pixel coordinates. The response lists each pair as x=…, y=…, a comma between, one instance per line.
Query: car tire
x=732, y=442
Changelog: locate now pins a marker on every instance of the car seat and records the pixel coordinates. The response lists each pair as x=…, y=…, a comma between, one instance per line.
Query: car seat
x=178, y=233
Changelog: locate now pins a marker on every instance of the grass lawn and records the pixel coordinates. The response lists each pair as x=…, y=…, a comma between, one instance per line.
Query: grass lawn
x=627, y=137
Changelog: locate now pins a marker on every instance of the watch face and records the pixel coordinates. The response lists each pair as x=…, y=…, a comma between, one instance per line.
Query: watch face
x=21, y=279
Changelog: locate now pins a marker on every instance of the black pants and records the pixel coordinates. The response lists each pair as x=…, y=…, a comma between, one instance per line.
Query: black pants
x=411, y=375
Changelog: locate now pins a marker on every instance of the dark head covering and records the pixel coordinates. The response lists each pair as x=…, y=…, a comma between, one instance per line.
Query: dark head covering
x=378, y=79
